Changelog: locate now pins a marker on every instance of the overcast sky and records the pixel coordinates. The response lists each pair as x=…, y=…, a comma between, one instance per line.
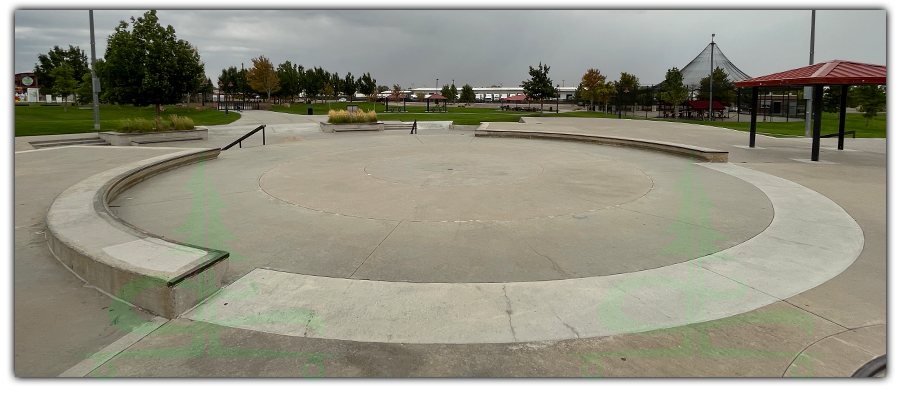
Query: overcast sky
x=479, y=47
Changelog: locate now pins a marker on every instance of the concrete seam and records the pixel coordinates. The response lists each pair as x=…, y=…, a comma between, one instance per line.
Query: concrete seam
x=376, y=247
x=820, y=340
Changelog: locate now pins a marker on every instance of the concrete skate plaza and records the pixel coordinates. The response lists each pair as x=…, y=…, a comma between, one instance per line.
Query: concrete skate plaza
x=452, y=253
x=475, y=240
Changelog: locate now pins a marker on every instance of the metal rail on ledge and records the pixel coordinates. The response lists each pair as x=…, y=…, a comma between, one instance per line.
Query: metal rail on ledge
x=238, y=141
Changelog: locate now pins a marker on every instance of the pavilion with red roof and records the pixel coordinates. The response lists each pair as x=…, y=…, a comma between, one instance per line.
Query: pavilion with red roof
x=830, y=73
x=437, y=98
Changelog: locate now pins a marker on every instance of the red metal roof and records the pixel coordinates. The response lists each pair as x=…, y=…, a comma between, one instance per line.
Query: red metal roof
x=829, y=72
x=436, y=97
x=517, y=97
x=704, y=105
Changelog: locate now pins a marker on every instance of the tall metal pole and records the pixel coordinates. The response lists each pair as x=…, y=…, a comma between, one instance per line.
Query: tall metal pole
x=808, y=91
x=95, y=83
x=712, y=46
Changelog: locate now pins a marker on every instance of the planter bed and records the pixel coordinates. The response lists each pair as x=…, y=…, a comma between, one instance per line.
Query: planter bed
x=341, y=127
x=126, y=139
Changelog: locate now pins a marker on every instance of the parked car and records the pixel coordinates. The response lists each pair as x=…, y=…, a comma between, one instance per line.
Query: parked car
x=342, y=100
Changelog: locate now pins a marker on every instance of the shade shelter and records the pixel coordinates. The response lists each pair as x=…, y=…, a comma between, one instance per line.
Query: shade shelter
x=701, y=106
x=437, y=99
x=395, y=97
x=517, y=98
x=830, y=73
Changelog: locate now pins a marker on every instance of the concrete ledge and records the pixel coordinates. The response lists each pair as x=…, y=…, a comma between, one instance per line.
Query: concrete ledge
x=332, y=128
x=126, y=139
x=144, y=269
x=702, y=153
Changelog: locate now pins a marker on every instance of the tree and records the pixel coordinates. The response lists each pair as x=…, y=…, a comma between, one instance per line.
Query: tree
x=673, y=90
x=287, y=81
x=148, y=65
x=539, y=87
x=336, y=84
x=831, y=99
x=420, y=96
x=85, y=89
x=723, y=89
x=74, y=57
x=628, y=82
x=605, y=92
x=468, y=94
x=262, y=78
x=872, y=99
x=445, y=91
x=591, y=81
x=367, y=85
x=453, y=92
x=64, y=83
x=349, y=86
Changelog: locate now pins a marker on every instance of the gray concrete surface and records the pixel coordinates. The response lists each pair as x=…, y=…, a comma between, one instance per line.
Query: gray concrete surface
x=853, y=300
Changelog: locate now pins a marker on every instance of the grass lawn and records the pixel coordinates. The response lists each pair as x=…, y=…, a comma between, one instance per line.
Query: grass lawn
x=39, y=120
x=459, y=115
x=877, y=127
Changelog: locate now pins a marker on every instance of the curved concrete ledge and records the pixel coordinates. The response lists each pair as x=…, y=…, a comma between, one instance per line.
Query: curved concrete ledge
x=702, y=153
x=810, y=240
x=141, y=268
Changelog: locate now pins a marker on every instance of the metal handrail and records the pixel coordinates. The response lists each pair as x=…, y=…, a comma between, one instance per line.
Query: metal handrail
x=839, y=134
x=238, y=141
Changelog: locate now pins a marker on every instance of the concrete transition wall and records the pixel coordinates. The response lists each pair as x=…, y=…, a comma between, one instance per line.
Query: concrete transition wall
x=140, y=268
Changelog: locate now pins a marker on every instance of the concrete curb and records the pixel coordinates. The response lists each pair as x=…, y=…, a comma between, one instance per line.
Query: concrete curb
x=142, y=268
x=702, y=153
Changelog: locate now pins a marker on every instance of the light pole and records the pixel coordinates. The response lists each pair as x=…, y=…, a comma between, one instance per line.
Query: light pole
x=712, y=46
x=557, y=99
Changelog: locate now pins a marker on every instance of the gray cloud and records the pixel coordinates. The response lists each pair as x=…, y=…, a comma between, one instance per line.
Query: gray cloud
x=482, y=47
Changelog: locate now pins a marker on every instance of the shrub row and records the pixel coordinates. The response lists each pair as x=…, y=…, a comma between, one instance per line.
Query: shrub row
x=142, y=125
x=343, y=116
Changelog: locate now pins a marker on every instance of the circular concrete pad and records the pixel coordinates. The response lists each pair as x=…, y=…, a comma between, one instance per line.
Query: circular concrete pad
x=317, y=208
x=442, y=183
x=453, y=169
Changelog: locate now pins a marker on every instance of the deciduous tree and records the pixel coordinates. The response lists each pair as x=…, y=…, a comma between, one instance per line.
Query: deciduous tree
x=147, y=64
x=673, y=90
x=74, y=57
x=872, y=99
x=468, y=94
x=64, y=83
x=539, y=87
x=262, y=78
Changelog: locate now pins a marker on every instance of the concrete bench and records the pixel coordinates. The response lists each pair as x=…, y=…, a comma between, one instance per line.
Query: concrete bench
x=141, y=268
x=701, y=153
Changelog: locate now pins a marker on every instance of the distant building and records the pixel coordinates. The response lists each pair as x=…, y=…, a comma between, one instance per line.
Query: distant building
x=25, y=81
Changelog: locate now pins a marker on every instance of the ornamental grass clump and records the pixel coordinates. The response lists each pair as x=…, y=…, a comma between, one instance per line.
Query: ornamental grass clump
x=142, y=125
x=343, y=116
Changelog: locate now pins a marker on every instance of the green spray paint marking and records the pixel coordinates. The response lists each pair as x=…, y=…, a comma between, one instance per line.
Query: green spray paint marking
x=696, y=239
x=206, y=229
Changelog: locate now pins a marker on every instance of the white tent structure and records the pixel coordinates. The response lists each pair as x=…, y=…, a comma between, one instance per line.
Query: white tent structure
x=698, y=68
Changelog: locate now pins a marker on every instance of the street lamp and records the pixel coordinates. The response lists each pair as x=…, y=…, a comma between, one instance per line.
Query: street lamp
x=557, y=99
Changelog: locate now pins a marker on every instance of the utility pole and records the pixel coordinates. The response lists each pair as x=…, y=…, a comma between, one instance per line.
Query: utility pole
x=95, y=83
x=712, y=46
x=808, y=91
